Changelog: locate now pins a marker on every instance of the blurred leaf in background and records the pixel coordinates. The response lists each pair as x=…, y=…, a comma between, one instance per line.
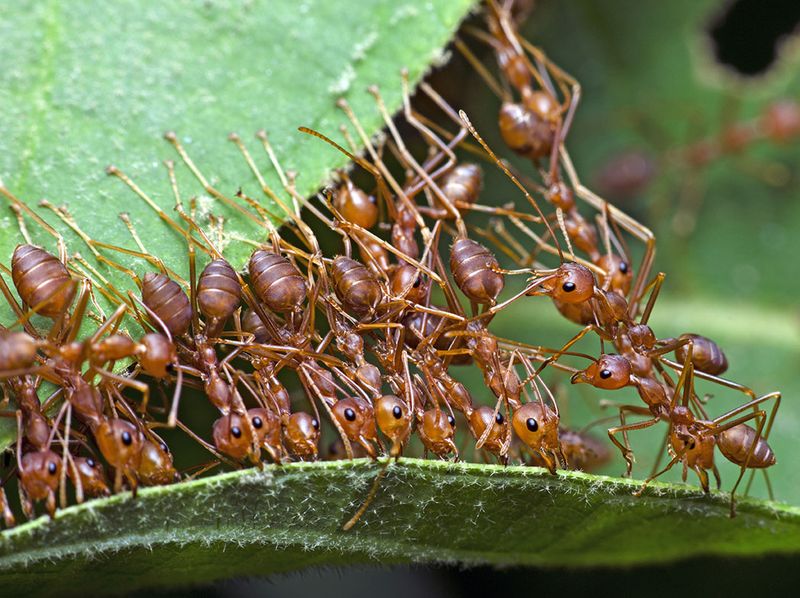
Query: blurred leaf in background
x=651, y=86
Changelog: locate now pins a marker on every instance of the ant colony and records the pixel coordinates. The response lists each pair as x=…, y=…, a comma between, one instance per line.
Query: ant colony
x=362, y=344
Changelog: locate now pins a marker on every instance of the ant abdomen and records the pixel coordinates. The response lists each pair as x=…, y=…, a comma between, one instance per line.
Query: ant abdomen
x=463, y=185
x=301, y=435
x=707, y=356
x=42, y=281
x=356, y=206
x=17, y=350
x=166, y=299
x=523, y=132
x=355, y=286
x=476, y=271
x=374, y=254
x=252, y=323
x=219, y=293
x=581, y=313
x=276, y=281
x=582, y=451
x=737, y=442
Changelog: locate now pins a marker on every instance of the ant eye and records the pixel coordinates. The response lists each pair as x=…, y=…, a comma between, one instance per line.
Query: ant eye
x=623, y=267
x=451, y=420
x=373, y=199
x=257, y=423
x=350, y=415
x=568, y=286
x=127, y=439
x=605, y=374
x=499, y=418
x=417, y=282
x=397, y=412
x=315, y=424
x=532, y=424
x=236, y=432
x=52, y=468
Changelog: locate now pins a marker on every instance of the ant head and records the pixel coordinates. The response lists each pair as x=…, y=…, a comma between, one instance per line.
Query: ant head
x=407, y=281
x=355, y=205
x=438, y=426
x=642, y=336
x=232, y=436
x=619, y=272
x=393, y=418
x=302, y=435
x=536, y=426
x=40, y=473
x=610, y=372
x=155, y=465
x=267, y=427
x=92, y=476
x=157, y=356
x=120, y=442
x=484, y=417
x=350, y=415
x=571, y=283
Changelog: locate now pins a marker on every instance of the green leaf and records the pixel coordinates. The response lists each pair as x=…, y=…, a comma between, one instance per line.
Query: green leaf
x=283, y=518
x=96, y=83
x=93, y=84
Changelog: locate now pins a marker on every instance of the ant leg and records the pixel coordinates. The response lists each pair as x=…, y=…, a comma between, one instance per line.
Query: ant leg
x=19, y=206
x=370, y=496
x=114, y=171
x=638, y=230
x=627, y=454
x=172, y=138
x=669, y=466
